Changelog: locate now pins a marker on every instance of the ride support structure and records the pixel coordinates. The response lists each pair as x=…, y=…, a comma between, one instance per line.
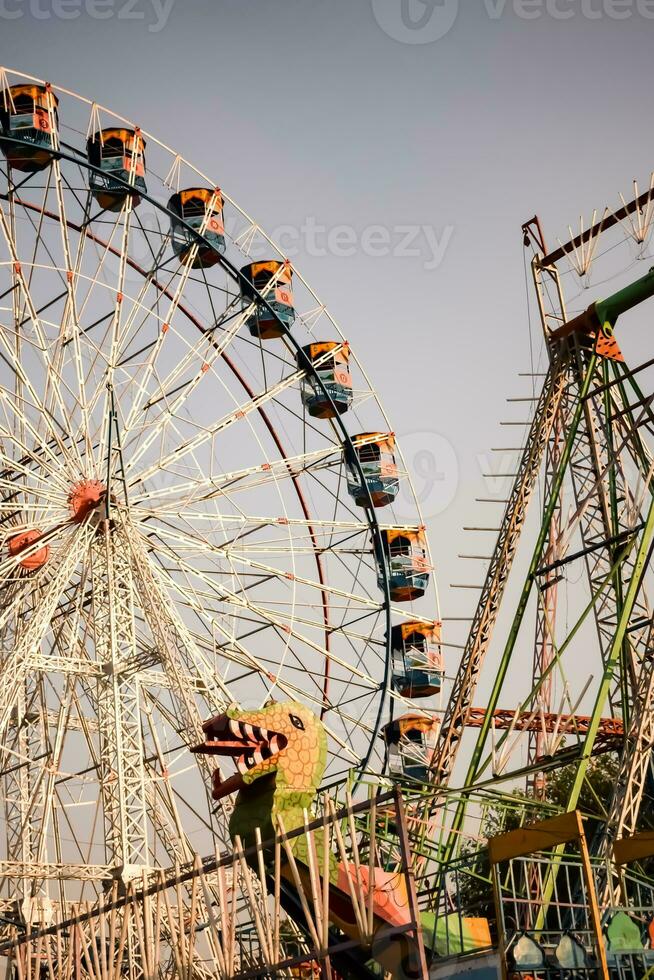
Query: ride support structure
x=586, y=452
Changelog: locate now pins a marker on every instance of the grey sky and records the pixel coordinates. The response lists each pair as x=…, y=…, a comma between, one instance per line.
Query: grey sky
x=313, y=116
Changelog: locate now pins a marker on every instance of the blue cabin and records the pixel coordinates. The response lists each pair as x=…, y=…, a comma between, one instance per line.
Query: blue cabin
x=202, y=209
x=273, y=281
x=29, y=113
x=405, y=555
x=410, y=742
x=120, y=155
x=376, y=454
x=417, y=659
x=331, y=365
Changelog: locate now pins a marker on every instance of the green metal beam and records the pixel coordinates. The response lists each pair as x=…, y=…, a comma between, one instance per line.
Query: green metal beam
x=618, y=560
x=640, y=566
x=606, y=311
x=618, y=586
x=523, y=602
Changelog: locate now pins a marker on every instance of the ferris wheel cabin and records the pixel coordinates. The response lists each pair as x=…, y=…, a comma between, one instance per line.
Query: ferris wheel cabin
x=376, y=454
x=417, y=659
x=411, y=740
x=120, y=155
x=331, y=362
x=273, y=281
x=201, y=209
x=405, y=555
x=28, y=113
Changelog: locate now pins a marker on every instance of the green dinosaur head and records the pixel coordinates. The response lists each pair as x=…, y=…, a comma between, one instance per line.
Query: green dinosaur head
x=285, y=739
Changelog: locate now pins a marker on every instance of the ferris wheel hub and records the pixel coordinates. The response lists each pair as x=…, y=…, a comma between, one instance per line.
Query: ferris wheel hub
x=85, y=497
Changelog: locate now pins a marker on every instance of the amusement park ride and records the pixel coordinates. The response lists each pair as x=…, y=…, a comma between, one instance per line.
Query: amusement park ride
x=199, y=556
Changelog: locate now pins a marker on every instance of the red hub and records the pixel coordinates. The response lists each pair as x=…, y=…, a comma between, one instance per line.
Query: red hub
x=85, y=497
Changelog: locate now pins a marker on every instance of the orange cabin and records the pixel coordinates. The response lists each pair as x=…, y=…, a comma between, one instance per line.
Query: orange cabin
x=201, y=209
x=120, y=156
x=25, y=542
x=28, y=113
x=417, y=659
x=273, y=280
x=331, y=365
x=376, y=455
x=411, y=740
x=407, y=563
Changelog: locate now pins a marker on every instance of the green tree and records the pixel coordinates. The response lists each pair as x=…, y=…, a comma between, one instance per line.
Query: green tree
x=474, y=889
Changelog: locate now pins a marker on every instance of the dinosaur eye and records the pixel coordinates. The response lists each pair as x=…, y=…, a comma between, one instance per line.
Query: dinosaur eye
x=297, y=722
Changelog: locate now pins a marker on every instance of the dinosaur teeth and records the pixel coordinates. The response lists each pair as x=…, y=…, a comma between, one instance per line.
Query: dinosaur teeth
x=240, y=730
x=234, y=728
x=244, y=763
x=247, y=732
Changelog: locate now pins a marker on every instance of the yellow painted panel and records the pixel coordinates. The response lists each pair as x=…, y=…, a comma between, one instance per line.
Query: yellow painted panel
x=535, y=837
x=634, y=848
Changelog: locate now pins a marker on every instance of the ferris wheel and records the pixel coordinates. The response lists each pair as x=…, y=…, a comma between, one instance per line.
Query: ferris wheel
x=197, y=491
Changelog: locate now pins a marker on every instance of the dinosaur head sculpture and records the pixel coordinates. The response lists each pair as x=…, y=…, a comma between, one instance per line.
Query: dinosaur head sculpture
x=283, y=739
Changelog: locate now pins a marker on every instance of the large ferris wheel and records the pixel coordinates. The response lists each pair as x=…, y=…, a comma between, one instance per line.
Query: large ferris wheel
x=189, y=517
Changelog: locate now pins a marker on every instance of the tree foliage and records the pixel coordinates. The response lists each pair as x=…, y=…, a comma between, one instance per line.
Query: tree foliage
x=474, y=888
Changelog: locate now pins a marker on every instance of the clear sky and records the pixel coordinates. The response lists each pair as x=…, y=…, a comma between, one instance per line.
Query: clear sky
x=397, y=159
